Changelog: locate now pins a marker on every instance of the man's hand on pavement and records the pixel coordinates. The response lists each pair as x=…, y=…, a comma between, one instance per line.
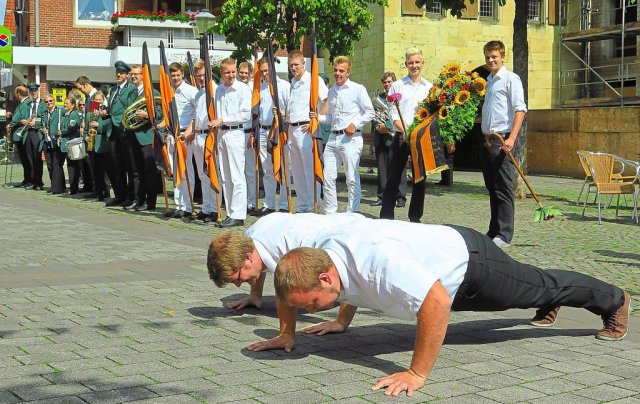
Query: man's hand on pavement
x=326, y=327
x=246, y=302
x=282, y=341
x=398, y=382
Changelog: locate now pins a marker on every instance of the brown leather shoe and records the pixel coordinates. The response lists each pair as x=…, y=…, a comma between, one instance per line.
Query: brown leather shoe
x=616, y=325
x=545, y=317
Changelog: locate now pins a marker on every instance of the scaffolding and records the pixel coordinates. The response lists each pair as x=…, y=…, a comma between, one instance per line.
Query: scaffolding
x=599, y=53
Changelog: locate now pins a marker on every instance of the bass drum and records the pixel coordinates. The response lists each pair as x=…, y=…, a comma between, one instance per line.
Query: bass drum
x=76, y=149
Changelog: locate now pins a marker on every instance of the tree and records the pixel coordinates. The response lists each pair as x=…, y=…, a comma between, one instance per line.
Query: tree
x=339, y=23
x=520, y=64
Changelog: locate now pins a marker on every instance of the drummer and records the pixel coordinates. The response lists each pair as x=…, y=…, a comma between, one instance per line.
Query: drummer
x=70, y=129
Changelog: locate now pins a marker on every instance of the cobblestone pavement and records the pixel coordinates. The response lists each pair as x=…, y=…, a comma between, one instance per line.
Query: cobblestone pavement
x=102, y=305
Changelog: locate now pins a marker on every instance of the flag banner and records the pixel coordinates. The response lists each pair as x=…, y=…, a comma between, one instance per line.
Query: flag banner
x=210, y=145
x=192, y=72
x=314, y=124
x=427, y=150
x=159, y=146
x=277, y=135
x=255, y=101
x=170, y=113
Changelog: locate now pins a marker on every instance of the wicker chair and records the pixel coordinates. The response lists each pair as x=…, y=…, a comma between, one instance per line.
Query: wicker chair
x=601, y=169
x=621, y=170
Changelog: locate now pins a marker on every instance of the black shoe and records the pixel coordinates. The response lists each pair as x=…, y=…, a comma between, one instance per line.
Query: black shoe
x=27, y=185
x=400, y=203
x=101, y=197
x=144, y=208
x=376, y=203
x=49, y=192
x=283, y=211
x=181, y=214
x=20, y=185
x=37, y=188
x=170, y=213
x=84, y=190
x=443, y=183
x=201, y=215
x=71, y=193
x=113, y=202
x=211, y=217
x=134, y=205
x=229, y=222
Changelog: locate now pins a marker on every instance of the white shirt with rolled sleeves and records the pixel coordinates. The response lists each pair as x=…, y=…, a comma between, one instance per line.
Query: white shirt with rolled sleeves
x=186, y=104
x=233, y=106
x=411, y=93
x=348, y=104
x=390, y=266
x=300, y=142
x=276, y=234
x=266, y=119
x=209, y=196
x=504, y=97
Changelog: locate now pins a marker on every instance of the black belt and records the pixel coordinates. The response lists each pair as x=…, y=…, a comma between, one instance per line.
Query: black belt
x=266, y=127
x=343, y=132
x=202, y=131
x=248, y=130
x=299, y=123
x=227, y=127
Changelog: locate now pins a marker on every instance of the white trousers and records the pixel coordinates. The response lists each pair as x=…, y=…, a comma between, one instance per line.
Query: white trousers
x=342, y=150
x=250, y=172
x=300, y=147
x=231, y=152
x=181, y=194
x=269, y=179
x=209, y=196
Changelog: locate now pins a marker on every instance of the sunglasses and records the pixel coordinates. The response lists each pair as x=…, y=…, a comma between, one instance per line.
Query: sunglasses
x=48, y=101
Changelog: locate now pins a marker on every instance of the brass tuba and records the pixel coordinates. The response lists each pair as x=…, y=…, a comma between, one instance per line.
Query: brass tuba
x=129, y=120
x=381, y=109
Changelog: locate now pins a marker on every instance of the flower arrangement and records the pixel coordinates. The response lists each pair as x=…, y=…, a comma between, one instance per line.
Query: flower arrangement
x=153, y=16
x=455, y=97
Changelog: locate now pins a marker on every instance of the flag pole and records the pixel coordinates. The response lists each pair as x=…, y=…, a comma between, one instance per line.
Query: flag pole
x=256, y=128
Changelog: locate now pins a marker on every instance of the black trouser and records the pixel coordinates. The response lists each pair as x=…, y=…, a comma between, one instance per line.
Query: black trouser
x=34, y=156
x=120, y=160
x=494, y=281
x=74, y=167
x=384, y=157
x=86, y=165
x=58, y=184
x=498, y=173
x=24, y=161
x=48, y=157
x=145, y=174
x=446, y=176
x=398, y=167
x=103, y=164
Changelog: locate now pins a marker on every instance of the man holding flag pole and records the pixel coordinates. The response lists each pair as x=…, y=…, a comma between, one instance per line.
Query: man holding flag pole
x=253, y=150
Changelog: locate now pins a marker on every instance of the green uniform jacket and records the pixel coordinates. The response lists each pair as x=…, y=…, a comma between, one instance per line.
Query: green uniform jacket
x=101, y=141
x=69, y=128
x=21, y=112
x=118, y=104
x=145, y=133
x=51, y=121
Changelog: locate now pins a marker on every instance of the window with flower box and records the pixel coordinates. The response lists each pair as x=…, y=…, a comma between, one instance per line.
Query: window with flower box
x=94, y=13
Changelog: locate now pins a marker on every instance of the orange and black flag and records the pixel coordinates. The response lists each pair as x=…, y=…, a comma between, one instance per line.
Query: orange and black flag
x=255, y=101
x=211, y=141
x=277, y=136
x=159, y=147
x=427, y=150
x=314, y=124
x=192, y=71
x=170, y=113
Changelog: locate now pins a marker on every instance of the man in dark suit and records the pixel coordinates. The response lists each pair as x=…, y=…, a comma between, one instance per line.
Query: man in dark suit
x=118, y=100
x=33, y=142
x=19, y=127
x=140, y=150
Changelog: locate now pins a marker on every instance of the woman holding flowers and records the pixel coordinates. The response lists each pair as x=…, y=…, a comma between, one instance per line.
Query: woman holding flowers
x=503, y=112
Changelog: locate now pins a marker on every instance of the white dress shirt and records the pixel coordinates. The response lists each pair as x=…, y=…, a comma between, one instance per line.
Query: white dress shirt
x=276, y=234
x=266, y=102
x=185, y=96
x=233, y=103
x=299, y=97
x=389, y=265
x=202, y=114
x=348, y=104
x=412, y=93
x=503, y=99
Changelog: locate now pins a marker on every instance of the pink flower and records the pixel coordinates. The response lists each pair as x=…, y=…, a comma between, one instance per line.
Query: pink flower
x=395, y=97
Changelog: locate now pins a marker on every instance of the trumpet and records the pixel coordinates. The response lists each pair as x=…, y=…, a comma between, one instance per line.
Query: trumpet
x=92, y=131
x=129, y=120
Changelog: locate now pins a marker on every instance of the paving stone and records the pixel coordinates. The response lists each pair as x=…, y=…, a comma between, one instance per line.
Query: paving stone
x=7, y=397
x=60, y=400
x=289, y=384
x=226, y=394
x=449, y=389
x=567, y=398
x=534, y=373
x=182, y=386
x=164, y=376
x=492, y=381
x=345, y=390
x=553, y=386
x=605, y=392
x=295, y=397
x=172, y=399
x=117, y=383
x=118, y=396
x=511, y=394
x=591, y=378
x=339, y=376
x=49, y=391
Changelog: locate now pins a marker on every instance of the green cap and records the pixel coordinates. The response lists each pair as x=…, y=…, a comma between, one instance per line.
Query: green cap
x=122, y=66
x=33, y=86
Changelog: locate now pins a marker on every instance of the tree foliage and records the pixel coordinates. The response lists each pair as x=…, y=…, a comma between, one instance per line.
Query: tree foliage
x=339, y=23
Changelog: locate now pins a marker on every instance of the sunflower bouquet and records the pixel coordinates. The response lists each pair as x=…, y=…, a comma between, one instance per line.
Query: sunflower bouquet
x=454, y=97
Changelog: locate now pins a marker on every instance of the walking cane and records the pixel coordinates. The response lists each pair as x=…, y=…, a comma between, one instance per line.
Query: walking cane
x=546, y=213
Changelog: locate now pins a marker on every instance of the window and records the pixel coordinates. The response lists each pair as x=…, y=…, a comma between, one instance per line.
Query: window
x=94, y=12
x=533, y=10
x=487, y=9
x=436, y=9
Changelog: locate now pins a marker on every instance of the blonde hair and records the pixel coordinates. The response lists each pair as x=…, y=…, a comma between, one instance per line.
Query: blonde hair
x=136, y=67
x=227, y=62
x=299, y=269
x=339, y=60
x=296, y=54
x=411, y=52
x=226, y=255
x=199, y=64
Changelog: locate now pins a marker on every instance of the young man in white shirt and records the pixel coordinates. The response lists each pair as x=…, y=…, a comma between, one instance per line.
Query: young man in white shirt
x=266, y=121
x=422, y=273
x=185, y=99
x=209, y=209
x=413, y=89
x=300, y=140
x=350, y=109
x=233, y=109
x=503, y=112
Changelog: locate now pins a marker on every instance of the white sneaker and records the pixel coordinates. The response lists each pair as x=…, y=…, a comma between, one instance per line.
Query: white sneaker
x=500, y=242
